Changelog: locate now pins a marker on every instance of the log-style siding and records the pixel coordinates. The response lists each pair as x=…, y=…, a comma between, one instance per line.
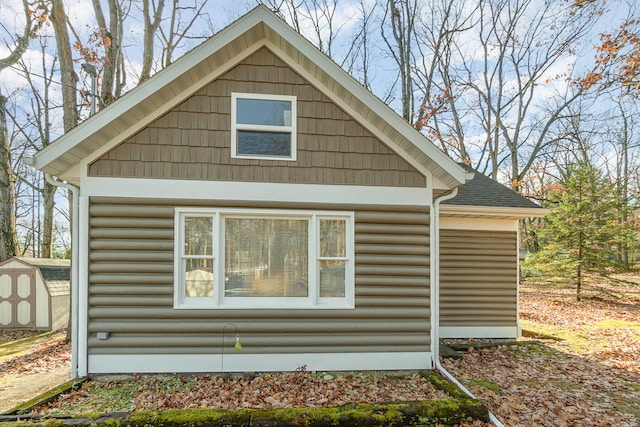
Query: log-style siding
x=478, y=278
x=131, y=288
x=193, y=140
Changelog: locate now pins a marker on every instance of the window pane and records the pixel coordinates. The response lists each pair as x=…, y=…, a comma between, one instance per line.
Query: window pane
x=333, y=233
x=197, y=236
x=264, y=143
x=332, y=279
x=263, y=112
x=198, y=277
x=266, y=257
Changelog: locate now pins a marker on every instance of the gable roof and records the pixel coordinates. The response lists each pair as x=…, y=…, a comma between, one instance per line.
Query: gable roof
x=483, y=195
x=258, y=28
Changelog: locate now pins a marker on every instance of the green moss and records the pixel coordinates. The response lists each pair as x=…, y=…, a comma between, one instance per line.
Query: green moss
x=444, y=412
x=443, y=384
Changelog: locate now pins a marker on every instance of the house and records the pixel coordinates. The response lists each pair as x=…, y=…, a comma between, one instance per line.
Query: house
x=255, y=187
x=34, y=293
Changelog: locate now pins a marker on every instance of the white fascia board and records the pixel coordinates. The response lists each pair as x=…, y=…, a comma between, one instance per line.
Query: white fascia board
x=132, y=98
x=254, y=191
x=492, y=211
x=239, y=362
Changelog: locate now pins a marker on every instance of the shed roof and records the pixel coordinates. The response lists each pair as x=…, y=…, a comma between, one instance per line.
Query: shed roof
x=484, y=195
x=56, y=273
x=258, y=28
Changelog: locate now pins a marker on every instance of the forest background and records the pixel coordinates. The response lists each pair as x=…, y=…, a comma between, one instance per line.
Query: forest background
x=539, y=95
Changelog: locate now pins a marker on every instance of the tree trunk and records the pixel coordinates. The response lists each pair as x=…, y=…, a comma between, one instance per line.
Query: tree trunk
x=48, y=193
x=8, y=238
x=68, y=75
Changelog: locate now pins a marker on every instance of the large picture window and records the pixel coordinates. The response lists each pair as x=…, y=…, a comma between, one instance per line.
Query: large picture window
x=240, y=258
x=263, y=126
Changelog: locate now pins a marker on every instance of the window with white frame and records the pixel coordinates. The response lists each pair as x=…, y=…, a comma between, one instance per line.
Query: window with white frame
x=246, y=258
x=263, y=126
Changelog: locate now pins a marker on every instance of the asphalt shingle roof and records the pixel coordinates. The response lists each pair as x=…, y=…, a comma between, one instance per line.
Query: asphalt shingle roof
x=483, y=191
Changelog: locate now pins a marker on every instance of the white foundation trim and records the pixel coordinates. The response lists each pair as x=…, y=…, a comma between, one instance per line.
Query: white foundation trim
x=479, y=331
x=238, y=362
x=254, y=191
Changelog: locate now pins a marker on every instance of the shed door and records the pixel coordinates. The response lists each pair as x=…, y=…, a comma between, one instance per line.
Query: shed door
x=17, y=299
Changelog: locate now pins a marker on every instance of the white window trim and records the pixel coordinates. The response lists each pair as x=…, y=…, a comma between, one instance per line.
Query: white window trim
x=235, y=127
x=219, y=301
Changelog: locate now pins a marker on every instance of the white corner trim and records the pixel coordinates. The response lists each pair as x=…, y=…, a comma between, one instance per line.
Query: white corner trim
x=478, y=331
x=240, y=362
x=475, y=223
x=254, y=191
x=83, y=284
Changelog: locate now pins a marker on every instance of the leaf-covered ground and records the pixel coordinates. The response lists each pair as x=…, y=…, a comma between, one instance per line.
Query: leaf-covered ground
x=589, y=375
x=287, y=389
x=27, y=353
x=582, y=368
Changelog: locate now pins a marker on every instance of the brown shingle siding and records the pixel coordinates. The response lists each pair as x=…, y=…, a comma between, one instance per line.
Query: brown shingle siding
x=332, y=148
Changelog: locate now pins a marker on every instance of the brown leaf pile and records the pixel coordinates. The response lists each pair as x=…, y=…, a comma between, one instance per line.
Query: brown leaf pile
x=45, y=356
x=288, y=389
x=607, y=318
x=561, y=383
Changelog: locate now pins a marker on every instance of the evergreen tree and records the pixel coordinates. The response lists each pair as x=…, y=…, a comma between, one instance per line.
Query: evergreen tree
x=581, y=233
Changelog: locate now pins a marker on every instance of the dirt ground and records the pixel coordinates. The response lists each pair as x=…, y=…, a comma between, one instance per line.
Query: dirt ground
x=31, y=364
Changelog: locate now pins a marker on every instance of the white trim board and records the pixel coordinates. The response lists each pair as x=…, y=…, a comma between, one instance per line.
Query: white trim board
x=479, y=332
x=239, y=362
x=475, y=223
x=254, y=191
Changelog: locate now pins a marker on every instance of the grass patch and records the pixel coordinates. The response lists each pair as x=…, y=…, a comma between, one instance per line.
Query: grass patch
x=22, y=346
x=617, y=324
x=565, y=385
x=105, y=396
x=486, y=384
x=574, y=340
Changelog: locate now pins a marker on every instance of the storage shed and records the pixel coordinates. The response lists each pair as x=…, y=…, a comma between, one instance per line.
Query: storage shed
x=34, y=293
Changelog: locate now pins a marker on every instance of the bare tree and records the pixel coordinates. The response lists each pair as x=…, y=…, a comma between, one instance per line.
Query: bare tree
x=152, y=14
x=400, y=17
x=68, y=76
x=110, y=34
x=33, y=12
x=34, y=128
x=357, y=60
x=180, y=27
x=441, y=114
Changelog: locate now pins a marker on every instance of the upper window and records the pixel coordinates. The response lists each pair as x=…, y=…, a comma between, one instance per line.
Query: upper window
x=263, y=126
x=263, y=259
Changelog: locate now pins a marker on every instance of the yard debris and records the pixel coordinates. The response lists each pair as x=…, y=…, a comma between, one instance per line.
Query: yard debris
x=45, y=356
x=586, y=376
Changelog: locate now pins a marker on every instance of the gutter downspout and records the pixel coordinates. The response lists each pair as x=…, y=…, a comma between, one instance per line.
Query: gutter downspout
x=435, y=295
x=75, y=268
